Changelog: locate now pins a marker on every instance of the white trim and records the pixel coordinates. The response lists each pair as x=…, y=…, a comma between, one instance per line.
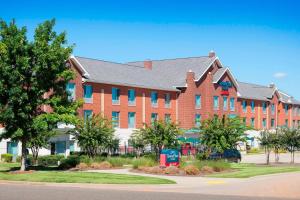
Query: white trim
x=216, y=59
x=231, y=76
x=85, y=73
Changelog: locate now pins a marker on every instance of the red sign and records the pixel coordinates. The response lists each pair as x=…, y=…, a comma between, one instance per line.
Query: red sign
x=224, y=92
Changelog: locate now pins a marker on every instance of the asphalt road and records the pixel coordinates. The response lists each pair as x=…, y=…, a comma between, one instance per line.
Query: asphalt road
x=12, y=191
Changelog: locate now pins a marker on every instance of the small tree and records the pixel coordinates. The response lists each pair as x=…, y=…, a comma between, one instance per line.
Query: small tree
x=160, y=135
x=291, y=141
x=277, y=141
x=93, y=134
x=38, y=142
x=266, y=140
x=222, y=134
x=138, y=142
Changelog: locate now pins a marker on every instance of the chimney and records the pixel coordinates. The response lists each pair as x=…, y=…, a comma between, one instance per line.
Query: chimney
x=190, y=77
x=148, y=64
x=211, y=54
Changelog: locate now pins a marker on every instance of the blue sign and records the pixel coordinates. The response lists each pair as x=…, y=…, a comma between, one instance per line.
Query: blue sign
x=225, y=85
x=172, y=155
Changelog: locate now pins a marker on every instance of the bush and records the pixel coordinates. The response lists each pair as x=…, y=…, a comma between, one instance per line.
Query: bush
x=172, y=170
x=128, y=155
x=155, y=170
x=207, y=169
x=143, y=162
x=7, y=157
x=102, y=165
x=216, y=165
x=149, y=155
x=85, y=159
x=51, y=160
x=201, y=156
x=82, y=166
x=118, y=161
x=191, y=170
x=69, y=162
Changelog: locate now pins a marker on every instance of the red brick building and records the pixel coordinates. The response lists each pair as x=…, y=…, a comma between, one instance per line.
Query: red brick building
x=184, y=90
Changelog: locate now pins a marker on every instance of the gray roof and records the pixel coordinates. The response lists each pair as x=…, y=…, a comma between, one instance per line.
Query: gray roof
x=285, y=98
x=165, y=74
x=219, y=73
x=254, y=91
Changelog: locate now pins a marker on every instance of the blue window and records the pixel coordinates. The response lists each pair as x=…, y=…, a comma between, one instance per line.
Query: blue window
x=131, y=120
x=115, y=117
x=87, y=114
x=167, y=100
x=252, y=122
x=154, y=99
x=273, y=108
x=252, y=106
x=198, y=101
x=273, y=123
x=286, y=108
x=244, y=106
x=131, y=97
x=167, y=118
x=225, y=103
x=264, y=107
x=264, y=123
x=154, y=117
x=216, y=102
x=71, y=91
x=88, y=93
x=115, y=92
x=12, y=148
x=232, y=107
x=197, y=120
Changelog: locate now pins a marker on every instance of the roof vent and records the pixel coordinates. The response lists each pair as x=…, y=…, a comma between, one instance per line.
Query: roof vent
x=211, y=54
x=148, y=64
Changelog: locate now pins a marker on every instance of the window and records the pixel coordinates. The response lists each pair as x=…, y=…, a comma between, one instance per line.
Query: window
x=87, y=114
x=244, y=106
x=273, y=108
x=252, y=122
x=131, y=97
x=286, y=123
x=273, y=123
x=264, y=107
x=216, y=103
x=252, y=106
x=167, y=100
x=88, y=93
x=131, y=120
x=71, y=91
x=115, y=92
x=197, y=120
x=115, y=117
x=167, y=118
x=154, y=117
x=264, y=123
x=154, y=98
x=225, y=103
x=198, y=101
x=231, y=104
x=12, y=148
x=286, y=109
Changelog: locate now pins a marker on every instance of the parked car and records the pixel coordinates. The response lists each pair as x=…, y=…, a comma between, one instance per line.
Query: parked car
x=231, y=155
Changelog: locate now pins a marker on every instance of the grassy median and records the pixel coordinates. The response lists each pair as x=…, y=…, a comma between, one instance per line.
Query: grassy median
x=76, y=177
x=250, y=170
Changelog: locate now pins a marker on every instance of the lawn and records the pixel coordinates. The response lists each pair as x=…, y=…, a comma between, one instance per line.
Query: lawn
x=78, y=177
x=250, y=170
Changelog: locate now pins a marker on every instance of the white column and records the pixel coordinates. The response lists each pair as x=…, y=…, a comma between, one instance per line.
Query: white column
x=144, y=108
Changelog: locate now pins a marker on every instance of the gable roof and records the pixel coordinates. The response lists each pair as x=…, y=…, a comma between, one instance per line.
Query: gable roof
x=285, y=98
x=254, y=91
x=219, y=74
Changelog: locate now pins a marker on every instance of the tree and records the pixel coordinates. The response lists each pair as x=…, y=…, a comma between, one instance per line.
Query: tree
x=222, y=134
x=38, y=142
x=33, y=75
x=277, y=141
x=160, y=135
x=291, y=141
x=93, y=134
x=267, y=141
x=137, y=141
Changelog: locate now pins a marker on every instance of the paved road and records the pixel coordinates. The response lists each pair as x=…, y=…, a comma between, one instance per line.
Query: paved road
x=46, y=192
x=261, y=158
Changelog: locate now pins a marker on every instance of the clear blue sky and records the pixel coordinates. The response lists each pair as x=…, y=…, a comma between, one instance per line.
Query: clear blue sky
x=259, y=40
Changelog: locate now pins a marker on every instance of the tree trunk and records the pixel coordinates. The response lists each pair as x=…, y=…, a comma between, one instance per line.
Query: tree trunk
x=23, y=156
x=268, y=156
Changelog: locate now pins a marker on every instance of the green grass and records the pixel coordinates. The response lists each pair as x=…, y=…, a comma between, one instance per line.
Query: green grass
x=77, y=177
x=250, y=170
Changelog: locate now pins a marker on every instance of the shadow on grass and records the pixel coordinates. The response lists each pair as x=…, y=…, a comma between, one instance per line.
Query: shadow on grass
x=33, y=168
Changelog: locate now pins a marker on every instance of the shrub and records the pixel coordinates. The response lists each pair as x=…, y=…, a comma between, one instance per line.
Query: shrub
x=201, y=156
x=172, y=170
x=85, y=159
x=50, y=160
x=143, y=162
x=118, y=161
x=69, y=162
x=7, y=157
x=191, y=170
x=102, y=165
x=155, y=170
x=216, y=165
x=82, y=166
x=207, y=169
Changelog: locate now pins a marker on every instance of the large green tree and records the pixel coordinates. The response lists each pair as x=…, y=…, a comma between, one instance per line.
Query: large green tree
x=291, y=141
x=220, y=134
x=33, y=75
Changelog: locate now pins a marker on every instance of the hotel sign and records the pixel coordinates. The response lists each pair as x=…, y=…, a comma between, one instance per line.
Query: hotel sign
x=225, y=87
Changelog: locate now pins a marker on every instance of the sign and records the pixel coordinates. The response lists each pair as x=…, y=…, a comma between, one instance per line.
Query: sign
x=225, y=87
x=169, y=157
